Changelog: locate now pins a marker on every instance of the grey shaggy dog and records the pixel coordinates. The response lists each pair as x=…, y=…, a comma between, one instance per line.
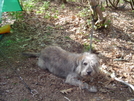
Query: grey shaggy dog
x=68, y=65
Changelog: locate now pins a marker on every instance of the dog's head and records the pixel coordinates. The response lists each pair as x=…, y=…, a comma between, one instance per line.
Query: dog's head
x=88, y=65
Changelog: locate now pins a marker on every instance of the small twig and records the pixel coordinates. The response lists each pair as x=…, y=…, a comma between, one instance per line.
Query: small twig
x=67, y=98
x=120, y=59
x=34, y=92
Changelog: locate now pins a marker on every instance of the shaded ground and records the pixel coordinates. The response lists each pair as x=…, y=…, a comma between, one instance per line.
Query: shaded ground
x=70, y=31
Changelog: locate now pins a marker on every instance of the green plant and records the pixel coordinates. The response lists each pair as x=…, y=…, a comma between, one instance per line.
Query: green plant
x=7, y=77
x=48, y=33
x=28, y=5
x=40, y=11
x=17, y=15
x=88, y=22
x=67, y=37
x=15, y=83
x=8, y=42
x=87, y=47
x=49, y=28
x=63, y=6
x=55, y=16
x=122, y=1
x=53, y=9
x=85, y=12
x=57, y=12
x=47, y=15
x=25, y=100
x=106, y=24
x=102, y=8
x=96, y=40
x=46, y=5
x=47, y=39
x=54, y=13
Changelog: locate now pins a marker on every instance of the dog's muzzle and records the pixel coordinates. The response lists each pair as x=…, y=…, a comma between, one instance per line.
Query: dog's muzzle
x=89, y=72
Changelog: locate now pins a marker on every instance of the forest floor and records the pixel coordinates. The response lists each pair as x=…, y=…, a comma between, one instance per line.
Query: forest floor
x=68, y=27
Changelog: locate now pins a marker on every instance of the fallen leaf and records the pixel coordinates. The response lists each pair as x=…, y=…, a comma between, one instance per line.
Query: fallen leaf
x=66, y=91
x=103, y=90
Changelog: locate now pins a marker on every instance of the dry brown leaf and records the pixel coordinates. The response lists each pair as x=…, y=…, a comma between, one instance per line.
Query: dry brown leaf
x=66, y=91
x=103, y=90
x=73, y=17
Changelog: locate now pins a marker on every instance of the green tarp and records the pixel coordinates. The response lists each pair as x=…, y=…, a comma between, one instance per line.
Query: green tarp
x=9, y=5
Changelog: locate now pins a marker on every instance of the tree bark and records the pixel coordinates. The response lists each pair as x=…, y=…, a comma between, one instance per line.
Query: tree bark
x=96, y=8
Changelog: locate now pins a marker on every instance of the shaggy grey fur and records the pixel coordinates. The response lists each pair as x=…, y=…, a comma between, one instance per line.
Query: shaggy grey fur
x=69, y=65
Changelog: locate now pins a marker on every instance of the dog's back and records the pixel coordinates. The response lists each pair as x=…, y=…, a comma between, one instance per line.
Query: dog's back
x=57, y=61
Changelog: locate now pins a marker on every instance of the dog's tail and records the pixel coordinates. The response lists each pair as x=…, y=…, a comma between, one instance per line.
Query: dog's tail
x=29, y=54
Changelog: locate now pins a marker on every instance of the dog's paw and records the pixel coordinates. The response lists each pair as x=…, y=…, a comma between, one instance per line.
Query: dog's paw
x=92, y=89
x=84, y=86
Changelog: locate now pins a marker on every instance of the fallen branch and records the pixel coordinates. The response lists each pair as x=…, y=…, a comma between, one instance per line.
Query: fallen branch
x=131, y=86
x=112, y=75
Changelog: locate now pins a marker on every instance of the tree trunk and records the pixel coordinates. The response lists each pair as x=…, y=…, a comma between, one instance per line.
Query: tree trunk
x=96, y=9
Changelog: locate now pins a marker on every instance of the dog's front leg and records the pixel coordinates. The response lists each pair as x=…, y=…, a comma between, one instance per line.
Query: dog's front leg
x=72, y=79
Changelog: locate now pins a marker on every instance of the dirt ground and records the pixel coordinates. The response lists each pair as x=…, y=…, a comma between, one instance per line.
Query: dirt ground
x=114, y=46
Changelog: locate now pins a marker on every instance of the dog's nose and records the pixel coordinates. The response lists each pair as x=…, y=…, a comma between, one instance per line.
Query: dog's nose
x=89, y=72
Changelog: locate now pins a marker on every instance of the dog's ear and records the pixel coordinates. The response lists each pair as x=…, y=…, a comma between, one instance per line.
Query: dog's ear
x=79, y=60
x=78, y=64
x=96, y=63
x=97, y=67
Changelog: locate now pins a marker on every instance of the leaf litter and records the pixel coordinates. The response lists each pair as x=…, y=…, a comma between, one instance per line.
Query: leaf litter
x=70, y=31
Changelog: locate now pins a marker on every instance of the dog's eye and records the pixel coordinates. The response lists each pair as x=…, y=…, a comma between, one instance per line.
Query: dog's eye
x=85, y=63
